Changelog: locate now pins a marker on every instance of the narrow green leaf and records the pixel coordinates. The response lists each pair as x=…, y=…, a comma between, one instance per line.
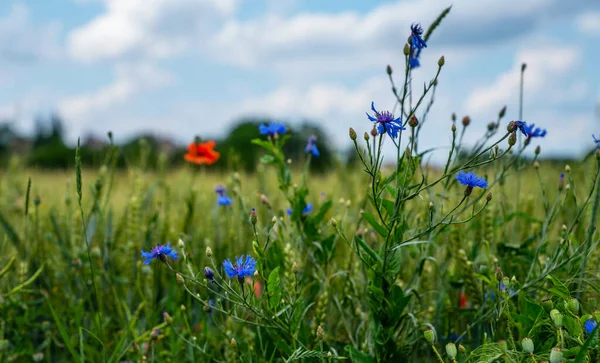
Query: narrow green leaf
x=274, y=288
x=362, y=244
x=27, y=196
x=357, y=356
x=381, y=230
x=559, y=289
x=10, y=232
x=63, y=333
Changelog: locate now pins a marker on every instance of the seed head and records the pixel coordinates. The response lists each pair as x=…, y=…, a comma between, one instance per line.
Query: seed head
x=429, y=336
x=527, y=345
x=573, y=306
x=557, y=318
x=556, y=355
x=320, y=333
x=451, y=350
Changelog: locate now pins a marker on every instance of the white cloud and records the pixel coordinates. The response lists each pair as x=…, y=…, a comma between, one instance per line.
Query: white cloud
x=22, y=41
x=145, y=28
x=363, y=40
x=129, y=81
x=547, y=77
x=589, y=23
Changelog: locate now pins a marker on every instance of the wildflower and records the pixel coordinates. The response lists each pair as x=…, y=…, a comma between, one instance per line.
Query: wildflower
x=597, y=141
x=272, y=129
x=209, y=273
x=491, y=295
x=222, y=198
x=306, y=210
x=529, y=130
x=416, y=41
x=253, y=217
x=561, y=182
x=589, y=326
x=311, y=146
x=159, y=252
x=416, y=44
x=243, y=268
x=385, y=122
x=202, y=153
x=470, y=180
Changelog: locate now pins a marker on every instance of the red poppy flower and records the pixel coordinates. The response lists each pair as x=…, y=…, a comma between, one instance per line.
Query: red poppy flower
x=463, y=301
x=202, y=153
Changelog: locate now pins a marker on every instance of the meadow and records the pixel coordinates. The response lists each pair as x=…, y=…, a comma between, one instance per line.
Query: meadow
x=490, y=257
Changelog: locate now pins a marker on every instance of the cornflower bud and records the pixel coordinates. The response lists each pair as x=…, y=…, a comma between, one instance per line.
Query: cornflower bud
x=538, y=150
x=413, y=122
x=441, y=61
x=512, y=139
x=366, y=136
x=168, y=318
x=253, y=217
x=208, y=252
x=502, y=112
x=406, y=49
x=466, y=121
x=180, y=243
x=209, y=273
x=388, y=70
x=453, y=128
x=180, y=279
x=488, y=197
x=352, y=134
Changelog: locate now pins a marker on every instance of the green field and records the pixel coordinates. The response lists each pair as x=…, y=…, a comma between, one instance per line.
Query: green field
x=72, y=302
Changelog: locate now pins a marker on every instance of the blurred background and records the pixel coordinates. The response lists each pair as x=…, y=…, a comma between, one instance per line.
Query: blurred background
x=170, y=70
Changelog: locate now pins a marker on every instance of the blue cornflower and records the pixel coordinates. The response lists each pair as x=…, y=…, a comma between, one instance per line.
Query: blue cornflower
x=311, y=146
x=490, y=295
x=159, y=252
x=502, y=286
x=589, y=326
x=416, y=41
x=306, y=210
x=272, y=129
x=209, y=273
x=470, y=179
x=530, y=130
x=597, y=141
x=413, y=58
x=386, y=122
x=243, y=268
x=222, y=198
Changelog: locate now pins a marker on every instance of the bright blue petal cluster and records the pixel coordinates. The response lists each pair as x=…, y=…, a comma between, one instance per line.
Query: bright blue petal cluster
x=589, y=326
x=272, y=129
x=306, y=210
x=530, y=130
x=222, y=198
x=159, y=252
x=470, y=179
x=311, y=146
x=416, y=45
x=241, y=269
x=597, y=141
x=386, y=123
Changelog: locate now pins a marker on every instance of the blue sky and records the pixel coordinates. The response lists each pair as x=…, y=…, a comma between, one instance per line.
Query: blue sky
x=186, y=67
